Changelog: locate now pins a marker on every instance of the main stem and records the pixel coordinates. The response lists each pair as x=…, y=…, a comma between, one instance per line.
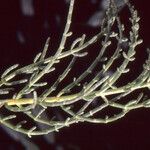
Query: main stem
x=28, y=101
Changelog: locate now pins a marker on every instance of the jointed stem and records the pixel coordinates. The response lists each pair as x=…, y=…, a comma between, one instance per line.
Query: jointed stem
x=49, y=100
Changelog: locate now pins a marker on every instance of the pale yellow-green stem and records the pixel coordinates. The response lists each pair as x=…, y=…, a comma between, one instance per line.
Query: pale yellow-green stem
x=27, y=101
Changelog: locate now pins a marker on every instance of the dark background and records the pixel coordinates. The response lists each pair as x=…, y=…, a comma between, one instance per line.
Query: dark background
x=131, y=132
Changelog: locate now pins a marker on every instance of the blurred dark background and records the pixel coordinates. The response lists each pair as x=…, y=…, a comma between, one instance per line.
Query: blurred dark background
x=24, y=28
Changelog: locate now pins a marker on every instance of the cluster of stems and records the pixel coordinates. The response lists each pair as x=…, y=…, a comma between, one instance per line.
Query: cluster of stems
x=97, y=94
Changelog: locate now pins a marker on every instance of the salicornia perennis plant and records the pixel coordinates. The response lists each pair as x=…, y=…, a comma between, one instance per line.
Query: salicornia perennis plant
x=97, y=94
